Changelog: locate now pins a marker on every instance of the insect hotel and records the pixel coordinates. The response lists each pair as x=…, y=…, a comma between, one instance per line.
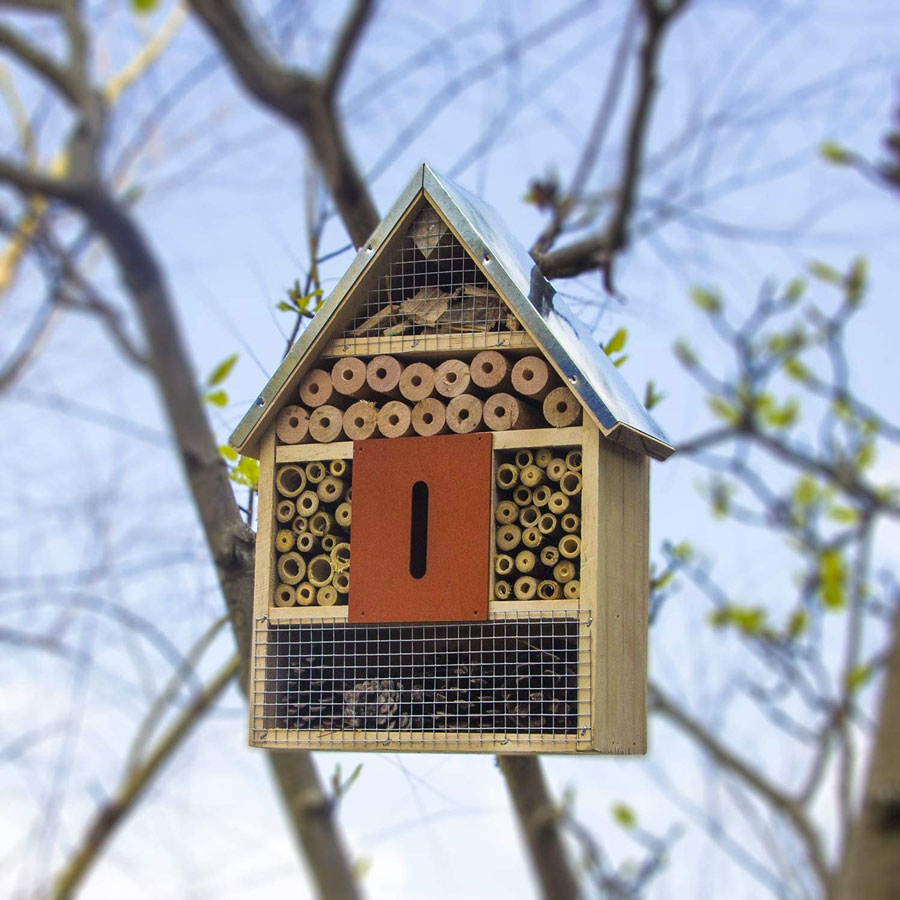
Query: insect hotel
x=452, y=549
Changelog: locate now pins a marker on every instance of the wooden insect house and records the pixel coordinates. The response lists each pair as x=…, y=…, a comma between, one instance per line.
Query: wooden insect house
x=452, y=550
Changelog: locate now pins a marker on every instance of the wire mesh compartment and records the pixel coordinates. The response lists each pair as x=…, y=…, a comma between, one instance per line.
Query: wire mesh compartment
x=514, y=675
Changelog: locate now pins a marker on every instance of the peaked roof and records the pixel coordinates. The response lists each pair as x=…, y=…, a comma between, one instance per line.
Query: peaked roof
x=565, y=339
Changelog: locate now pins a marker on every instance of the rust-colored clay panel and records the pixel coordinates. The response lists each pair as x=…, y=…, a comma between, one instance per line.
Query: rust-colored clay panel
x=453, y=564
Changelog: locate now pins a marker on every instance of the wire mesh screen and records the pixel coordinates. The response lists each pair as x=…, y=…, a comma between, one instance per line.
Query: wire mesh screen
x=430, y=286
x=512, y=675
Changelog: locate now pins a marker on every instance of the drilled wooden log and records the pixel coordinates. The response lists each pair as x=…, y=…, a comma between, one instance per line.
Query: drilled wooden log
x=360, y=420
x=285, y=595
x=292, y=425
x=285, y=511
x=451, y=378
x=506, y=512
x=490, y=370
x=348, y=377
x=417, y=382
x=383, y=375
x=429, y=417
x=291, y=567
x=532, y=377
x=326, y=424
x=464, y=414
x=394, y=419
x=503, y=412
x=316, y=388
x=561, y=409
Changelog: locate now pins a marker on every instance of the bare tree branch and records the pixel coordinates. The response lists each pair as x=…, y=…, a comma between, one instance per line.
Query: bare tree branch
x=42, y=65
x=346, y=44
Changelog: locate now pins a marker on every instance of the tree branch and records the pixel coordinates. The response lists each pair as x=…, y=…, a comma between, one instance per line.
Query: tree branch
x=42, y=65
x=347, y=42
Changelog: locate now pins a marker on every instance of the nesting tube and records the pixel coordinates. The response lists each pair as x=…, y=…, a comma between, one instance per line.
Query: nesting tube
x=532, y=377
x=464, y=414
x=570, y=483
x=306, y=542
x=316, y=471
x=306, y=594
x=507, y=476
x=561, y=409
x=542, y=457
x=340, y=556
x=503, y=412
x=342, y=582
x=532, y=538
x=348, y=377
x=330, y=489
x=502, y=590
x=525, y=561
x=556, y=468
x=429, y=416
x=524, y=458
x=290, y=480
x=541, y=495
x=383, y=375
x=548, y=590
x=570, y=546
x=528, y=516
x=564, y=571
x=285, y=540
x=316, y=388
x=320, y=523
x=573, y=460
x=572, y=589
x=326, y=595
x=558, y=503
x=343, y=515
x=329, y=542
x=338, y=468
x=285, y=511
x=522, y=495
x=292, y=425
x=285, y=595
x=547, y=523
x=300, y=524
x=490, y=370
x=570, y=523
x=506, y=512
x=503, y=564
x=531, y=476
x=360, y=420
x=291, y=567
x=451, y=378
x=525, y=587
x=550, y=556
x=508, y=537
x=326, y=424
x=307, y=503
x=320, y=570
x=417, y=382
x=394, y=419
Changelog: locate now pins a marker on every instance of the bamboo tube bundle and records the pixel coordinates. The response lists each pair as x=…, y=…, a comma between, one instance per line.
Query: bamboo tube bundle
x=417, y=382
x=507, y=476
x=291, y=567
x=290, y=480
x=506, y=512
x=285, y=595
x=573, y=460
x=525, y=587
x=541, y=495
x=342, y=582
x=306, y=542
x=320, y=523
x=490, y=370
x=340, y=556
x=285, y=511
x=524, y=458
x=528, y=516
x=572, y=589
x=299, y=524
x=570, y=483
x=338, y=468
x=320, y=570
x=328, y=542
x=429, y=416
x=564, y=571
x=508, y=537
x=360, y=420
x=285, y=540
x=561, y=409
x=556, y=468
x=502, y=590
x=542, y=457
x=503, y=412
x=550, y=555
x=394, y=419
x=330, y=489
x=451, y=378
x=547, y=524
x=307, y=503
x=326, y=595
x=316, y=388
x=348, y=378
x=549, y=590
x=383, y=375
x=326, y=424
x=343, y=515
x=558, y=503
x=571, y=523
x=464, y=414
x=306, y=594
x=570, y=546
x=522, y=495
x=525, y=561
x=532, y=537
x=503, y=564
x=532, y=377
x=532, y=475
x=292, y=425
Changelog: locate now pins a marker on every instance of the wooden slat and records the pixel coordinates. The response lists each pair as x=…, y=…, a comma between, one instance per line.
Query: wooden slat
x=508, y=608
x=590, y=584
x=429, y=345
x=538, y=437
x=307, y=452
x=284, y=614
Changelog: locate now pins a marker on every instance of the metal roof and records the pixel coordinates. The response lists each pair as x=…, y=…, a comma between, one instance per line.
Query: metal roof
x=566, y=341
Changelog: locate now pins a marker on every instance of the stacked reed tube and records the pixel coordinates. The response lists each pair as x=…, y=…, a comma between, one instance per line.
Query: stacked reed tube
x=357, y=399
x=537, y=524
x=312, y=540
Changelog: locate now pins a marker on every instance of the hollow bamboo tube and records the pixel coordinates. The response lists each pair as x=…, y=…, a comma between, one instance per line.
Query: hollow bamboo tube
x=550, y=555
x=285, y=595
x=502, y=590
x=316, y=471
x=337, y=467
x=330, y=489
x=343, y=515
x=307, y=503
x=291, y=567
x=570, y=546
x=556, y=468
x=285, y=540
x=531, y=476
x=306, y=542
x=290, y=480
x=525, y=561
x=570, y=483
x=547, y=523
x=464, y=414
x=522, y=495
x=429, y=416
x=532, y=377
x=316, y=388
x=573, y=460
x=329, y=542
x=360, y=420
x=348, y=377
x=320, y=523
x=326, y=595
x=320, y=570
x=532, y=538
x=561, y=409
x=548, y=590
x=417, y=382
x=285, y=511
x=524, y=458
x=540, y=496
x=490, y=371
x=508, y=537
x=542, y=457
x=570, y=523
x=383, y=375
x=292, y=425
x=507, y=476
x=451, y=378
x=300, y=524
x=394, y=419
x=340, y=556
x=306, y=594
x=528, y=516
x=506, y=512
x=564, y=571
x=503, y=412
x=326, y=424
x=572, y=589
x=503, y=564
x=558, y=503
x=525, y=587
x=342, y=582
